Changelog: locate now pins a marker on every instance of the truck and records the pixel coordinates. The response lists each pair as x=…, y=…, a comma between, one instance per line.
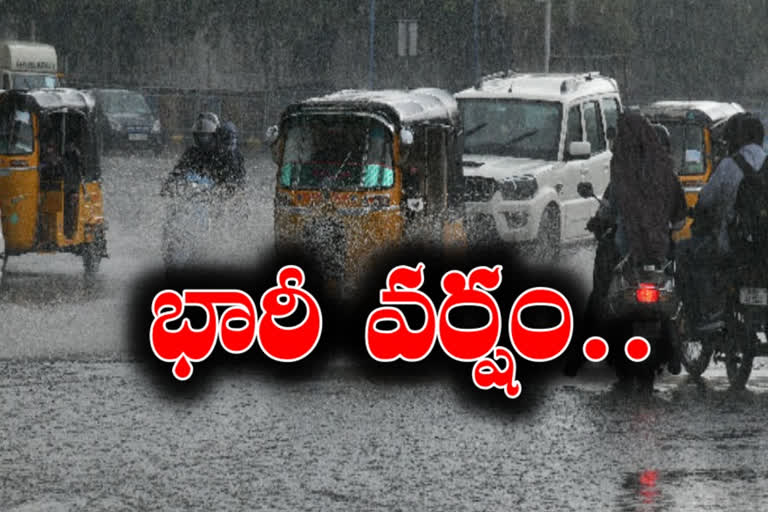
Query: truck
x=28, y=65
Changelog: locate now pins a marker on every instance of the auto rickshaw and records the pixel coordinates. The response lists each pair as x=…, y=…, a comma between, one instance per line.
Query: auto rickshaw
x=361, y=171
x=695, y=129
x=50, y=191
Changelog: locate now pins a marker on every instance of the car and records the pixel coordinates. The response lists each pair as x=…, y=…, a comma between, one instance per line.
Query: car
x=529, y=140
x=126, y=121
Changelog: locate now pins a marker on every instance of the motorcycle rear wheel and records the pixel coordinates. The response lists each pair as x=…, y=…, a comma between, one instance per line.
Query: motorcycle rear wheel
x=740, y=355
x=695, y=349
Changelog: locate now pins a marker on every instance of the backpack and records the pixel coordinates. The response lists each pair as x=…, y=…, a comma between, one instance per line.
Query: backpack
x=748, y=231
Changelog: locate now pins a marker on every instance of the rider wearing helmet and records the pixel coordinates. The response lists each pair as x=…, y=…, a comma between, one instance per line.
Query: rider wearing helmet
x=709, y=245
x=214, y=152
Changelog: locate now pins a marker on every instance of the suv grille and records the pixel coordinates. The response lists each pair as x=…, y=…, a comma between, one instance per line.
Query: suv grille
x=477, y=188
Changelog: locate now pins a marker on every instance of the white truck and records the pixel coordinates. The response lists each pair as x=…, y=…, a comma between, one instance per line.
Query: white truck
x=529, y=140
x=28, y=65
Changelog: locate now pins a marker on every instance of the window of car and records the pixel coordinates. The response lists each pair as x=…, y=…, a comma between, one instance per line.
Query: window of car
x=611, y=110
x=575, y=131
x=124, y=102
x=594, y=126
x=512, y=127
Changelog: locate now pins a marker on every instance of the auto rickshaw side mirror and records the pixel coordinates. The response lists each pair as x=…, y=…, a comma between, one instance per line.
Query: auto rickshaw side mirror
x=406, y=142
x=271, y=137
x=585, y=189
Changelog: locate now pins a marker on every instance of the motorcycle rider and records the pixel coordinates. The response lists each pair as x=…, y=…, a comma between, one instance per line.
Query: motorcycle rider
x=709, y=246
x=642, y=203
x=215, y=153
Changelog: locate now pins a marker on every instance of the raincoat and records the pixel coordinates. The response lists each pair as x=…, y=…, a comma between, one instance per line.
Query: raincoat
x=647, y=195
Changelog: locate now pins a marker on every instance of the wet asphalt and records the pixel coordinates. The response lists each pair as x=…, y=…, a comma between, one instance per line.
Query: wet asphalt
x=84, y=428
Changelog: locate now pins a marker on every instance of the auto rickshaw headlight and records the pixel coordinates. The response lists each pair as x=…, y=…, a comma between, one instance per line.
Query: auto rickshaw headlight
x=519, y=187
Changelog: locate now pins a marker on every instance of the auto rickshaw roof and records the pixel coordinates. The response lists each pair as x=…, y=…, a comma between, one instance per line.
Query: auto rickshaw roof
x=52, y=99
x=399, y=106
x=707, y=111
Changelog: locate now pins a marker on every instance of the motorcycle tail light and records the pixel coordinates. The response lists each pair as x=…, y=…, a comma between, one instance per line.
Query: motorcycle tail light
x=647, y=293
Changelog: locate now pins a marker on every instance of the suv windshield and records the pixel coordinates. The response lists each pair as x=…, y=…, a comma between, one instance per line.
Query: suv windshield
x=512, y=127
x=687, y=144
x=16, y=135
x=115, y=102
x=337, y=153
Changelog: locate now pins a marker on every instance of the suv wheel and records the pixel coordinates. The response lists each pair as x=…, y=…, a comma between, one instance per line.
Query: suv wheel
x=547, y=245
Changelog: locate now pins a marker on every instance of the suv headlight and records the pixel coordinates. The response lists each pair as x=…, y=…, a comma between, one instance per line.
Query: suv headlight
x=156, y=126
x=518, y=187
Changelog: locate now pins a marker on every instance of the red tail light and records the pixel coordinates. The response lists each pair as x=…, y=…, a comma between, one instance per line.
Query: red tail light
x=647, y=293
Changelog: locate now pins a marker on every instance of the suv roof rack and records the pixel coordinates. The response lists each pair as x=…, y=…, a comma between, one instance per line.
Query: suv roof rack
x=500, y=74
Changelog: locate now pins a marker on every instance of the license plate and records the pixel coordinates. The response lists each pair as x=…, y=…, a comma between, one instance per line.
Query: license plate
x=137, y=136
x=754, y=296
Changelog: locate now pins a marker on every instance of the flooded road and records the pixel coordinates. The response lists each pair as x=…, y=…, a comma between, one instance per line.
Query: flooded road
x=83, y=428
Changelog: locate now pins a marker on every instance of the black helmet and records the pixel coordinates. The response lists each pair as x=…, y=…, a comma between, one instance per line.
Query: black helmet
x=663, y=134
x=205, y=130
x=742, y=129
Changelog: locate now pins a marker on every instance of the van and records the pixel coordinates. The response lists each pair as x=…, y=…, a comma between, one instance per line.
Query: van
x=28, y=65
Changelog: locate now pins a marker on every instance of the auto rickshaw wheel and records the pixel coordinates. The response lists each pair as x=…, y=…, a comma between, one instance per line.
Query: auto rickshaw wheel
x=2, y=268
x=93, y=251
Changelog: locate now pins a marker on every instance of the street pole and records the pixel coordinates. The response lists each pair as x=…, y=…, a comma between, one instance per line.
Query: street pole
x=371, y=67
x=547, y=34
x=477, y=43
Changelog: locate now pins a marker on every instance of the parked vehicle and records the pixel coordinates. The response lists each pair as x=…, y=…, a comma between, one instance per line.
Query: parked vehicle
x=695, y=129
x=362, y=171
x=50, y=190
x=529, y=140
x=126, y=121
x=28, y=65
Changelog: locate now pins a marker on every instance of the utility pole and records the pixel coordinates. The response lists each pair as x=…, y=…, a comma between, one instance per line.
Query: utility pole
x=371, y=65
x=477, y=43
x=547, y=31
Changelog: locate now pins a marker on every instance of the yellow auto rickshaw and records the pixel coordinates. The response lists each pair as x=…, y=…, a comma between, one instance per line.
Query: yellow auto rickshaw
x=50, y=191
x=695, y=129
x=360, y=171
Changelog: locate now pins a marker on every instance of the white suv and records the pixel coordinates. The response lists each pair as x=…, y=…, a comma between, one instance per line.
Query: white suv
x=529, y=139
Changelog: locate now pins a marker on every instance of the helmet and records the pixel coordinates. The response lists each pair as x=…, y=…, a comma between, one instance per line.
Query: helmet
x=742, y=129
x=663, y=134
x=205, y=130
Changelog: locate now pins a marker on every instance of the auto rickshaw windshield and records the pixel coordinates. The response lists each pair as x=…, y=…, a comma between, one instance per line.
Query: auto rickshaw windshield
x=16, y=134
x=337, y=153
x=687, y=146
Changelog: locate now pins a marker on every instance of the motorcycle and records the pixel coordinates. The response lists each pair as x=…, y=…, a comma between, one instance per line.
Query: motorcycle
x=187, y=223
x=736, y=343
x=640, y=300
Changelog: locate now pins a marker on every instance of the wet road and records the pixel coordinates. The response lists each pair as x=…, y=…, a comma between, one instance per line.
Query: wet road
x=82, y=428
